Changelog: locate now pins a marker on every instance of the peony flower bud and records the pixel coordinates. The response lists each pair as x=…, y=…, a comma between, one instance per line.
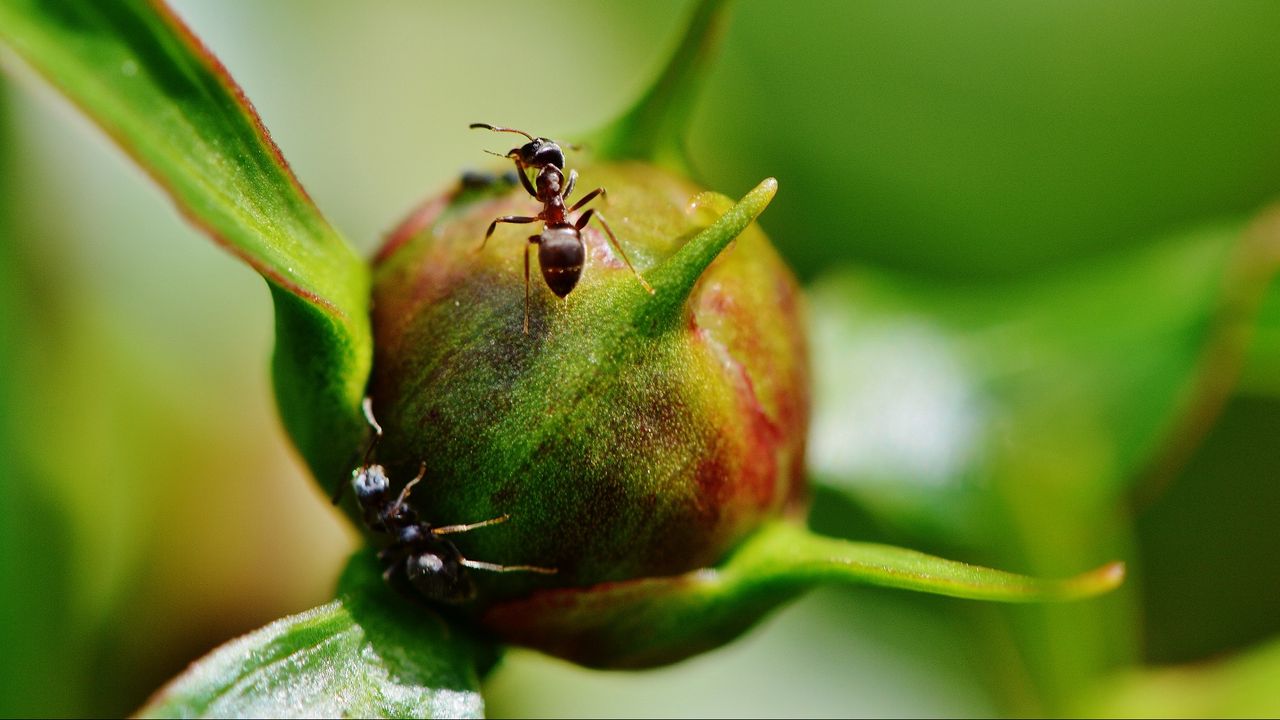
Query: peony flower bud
x=627, y=435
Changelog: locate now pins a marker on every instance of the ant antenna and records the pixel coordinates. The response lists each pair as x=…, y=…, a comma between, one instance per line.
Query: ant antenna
x=487, y=126
x=366, y=406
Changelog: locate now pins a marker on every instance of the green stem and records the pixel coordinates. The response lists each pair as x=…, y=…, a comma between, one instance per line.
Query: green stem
x=654, y=128
x=652, y=621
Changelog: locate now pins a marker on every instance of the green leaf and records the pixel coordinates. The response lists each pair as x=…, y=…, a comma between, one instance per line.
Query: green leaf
x=1016, y=418
x=653, y=621
x=1225, y=499
x=134, y=69
x=655, y=127
x=1261, y=373
x=1240, y=686
x=929, y=392
x=369, y=653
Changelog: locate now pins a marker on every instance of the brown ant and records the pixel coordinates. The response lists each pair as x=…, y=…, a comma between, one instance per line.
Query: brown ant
x=560, y=250
x=417, y=552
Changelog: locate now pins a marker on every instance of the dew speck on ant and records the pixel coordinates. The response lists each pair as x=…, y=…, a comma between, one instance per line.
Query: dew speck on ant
x=561, y=253
x=417, y=554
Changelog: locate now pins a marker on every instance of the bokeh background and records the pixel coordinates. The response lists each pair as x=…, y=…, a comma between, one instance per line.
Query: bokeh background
x=1020, y=222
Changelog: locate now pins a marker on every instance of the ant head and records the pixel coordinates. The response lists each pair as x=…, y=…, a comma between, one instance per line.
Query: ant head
x=539, y=153
x=371, y=485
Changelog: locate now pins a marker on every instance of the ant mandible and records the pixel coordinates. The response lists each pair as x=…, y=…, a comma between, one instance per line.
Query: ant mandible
x=417, y=553
x=560, y=250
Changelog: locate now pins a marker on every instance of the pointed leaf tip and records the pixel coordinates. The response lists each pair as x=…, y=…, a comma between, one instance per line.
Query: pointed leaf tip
x=675, y=278
x=1094, y=582
x=797, y=557
x=652, y=621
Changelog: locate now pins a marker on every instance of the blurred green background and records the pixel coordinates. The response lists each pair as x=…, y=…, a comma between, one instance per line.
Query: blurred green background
x=1022, y=224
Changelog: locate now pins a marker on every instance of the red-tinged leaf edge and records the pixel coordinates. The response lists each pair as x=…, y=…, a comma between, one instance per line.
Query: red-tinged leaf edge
x=138, y=71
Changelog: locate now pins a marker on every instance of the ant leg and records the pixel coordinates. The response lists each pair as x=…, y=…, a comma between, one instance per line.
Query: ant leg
x=588, y=198
x=524, y=178
x=394, y=558
x=519, y=171
x=514, y=219
x=445, y=530
x=568, y=187
x=404, y=494
x=389, y=552
x=367, y=406
x=492, y=567
x=586, y=218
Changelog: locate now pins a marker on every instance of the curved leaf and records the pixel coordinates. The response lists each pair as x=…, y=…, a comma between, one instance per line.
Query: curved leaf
x=141, y=75
x=1079, y=379
x=652, y=621
x=1243, y=685
x=1019, y=417
x=369, y=653
x=1261, y=373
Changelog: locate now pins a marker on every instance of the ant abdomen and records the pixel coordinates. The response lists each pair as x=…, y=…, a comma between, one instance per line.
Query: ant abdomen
x=439, y=577
x=561, y=255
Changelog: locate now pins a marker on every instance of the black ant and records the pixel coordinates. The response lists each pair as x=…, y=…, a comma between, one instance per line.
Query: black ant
x=417, y=553
x=560, y=250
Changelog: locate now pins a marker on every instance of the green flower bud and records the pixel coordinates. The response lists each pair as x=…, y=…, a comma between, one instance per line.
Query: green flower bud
x=627, y=435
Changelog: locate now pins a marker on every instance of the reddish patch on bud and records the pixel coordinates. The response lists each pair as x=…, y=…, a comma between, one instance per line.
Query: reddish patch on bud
x=621, y=447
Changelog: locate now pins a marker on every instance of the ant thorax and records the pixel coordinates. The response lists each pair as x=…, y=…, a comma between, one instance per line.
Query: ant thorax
x=549, y=182
x=414, y=556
